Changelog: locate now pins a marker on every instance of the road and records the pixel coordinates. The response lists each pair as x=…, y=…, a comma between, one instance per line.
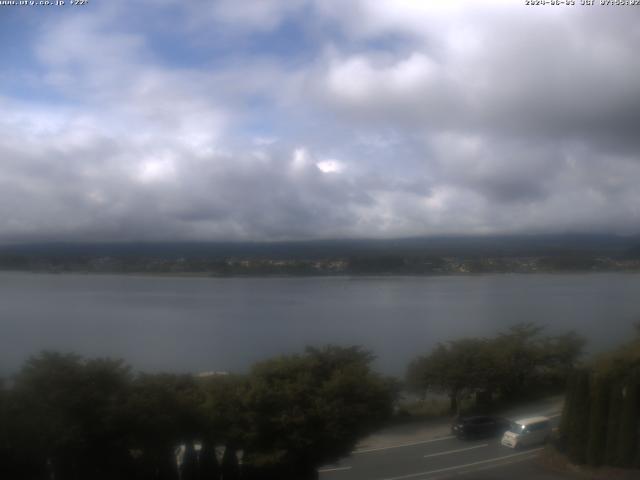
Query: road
x=438, y=458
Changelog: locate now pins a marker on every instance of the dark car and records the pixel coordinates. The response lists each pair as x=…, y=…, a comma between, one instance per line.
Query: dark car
x=479, y=426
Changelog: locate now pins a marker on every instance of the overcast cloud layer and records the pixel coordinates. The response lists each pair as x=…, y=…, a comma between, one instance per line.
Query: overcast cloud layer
x=296, y=119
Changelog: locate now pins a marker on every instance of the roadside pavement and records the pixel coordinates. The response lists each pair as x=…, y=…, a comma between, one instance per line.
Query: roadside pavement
x=414, y=433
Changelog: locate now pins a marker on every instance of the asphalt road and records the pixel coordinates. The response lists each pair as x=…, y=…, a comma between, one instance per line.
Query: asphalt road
x=439, y=458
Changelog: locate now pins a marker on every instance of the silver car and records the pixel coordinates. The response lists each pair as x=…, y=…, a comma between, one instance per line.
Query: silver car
x=526, y=432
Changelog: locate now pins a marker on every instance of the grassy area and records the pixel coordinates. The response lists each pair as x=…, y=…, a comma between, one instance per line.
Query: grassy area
x=422, y=409
x=425, y=409
x=437, y=406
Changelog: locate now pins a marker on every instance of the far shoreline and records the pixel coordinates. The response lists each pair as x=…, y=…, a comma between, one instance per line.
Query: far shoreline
x=266, y=276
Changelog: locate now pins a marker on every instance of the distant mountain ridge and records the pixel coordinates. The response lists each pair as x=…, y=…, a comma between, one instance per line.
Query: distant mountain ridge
x=460, y=246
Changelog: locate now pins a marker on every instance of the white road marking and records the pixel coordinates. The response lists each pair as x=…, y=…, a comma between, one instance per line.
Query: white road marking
x=358, y=452
x=456, y=451
x=457, y=467
x=497, y=465
x=336, y=469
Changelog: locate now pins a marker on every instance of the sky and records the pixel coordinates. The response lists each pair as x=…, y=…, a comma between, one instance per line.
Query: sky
x=161, y=120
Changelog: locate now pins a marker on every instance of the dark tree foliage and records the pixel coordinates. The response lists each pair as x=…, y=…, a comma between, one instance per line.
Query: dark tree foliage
x=598, y=419
x=307, y=410
x=230, y=468
x=611, y=409
x=164, y=407
x=223, y=409
x=567, y=410
x=628, y=432
x=209, y=469
x=65, y=418
x=558, y=356
x=377, y=264
x=519, y=353
x=69, y=418
x=613, y=424
x=458, y=368
x=163, y=412
x=515, y=362
x=576, y=425
x=571, y=263
x=623, y=364
x=5, y=435
x=189, y=465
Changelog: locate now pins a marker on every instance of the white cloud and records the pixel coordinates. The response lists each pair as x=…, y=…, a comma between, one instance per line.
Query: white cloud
x=411, y=118
x=330, y=166
x=156, y=170
x=301, y=159
x=356, y=80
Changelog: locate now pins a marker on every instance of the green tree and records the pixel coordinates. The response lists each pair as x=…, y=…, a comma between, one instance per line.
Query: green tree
x=559, y=355
x=69, y=418
x=459, y=368
x=307, y=410
x=164, y=411
x=513, y=363
x=65, y=417
x=519, y=356
x=223, y=408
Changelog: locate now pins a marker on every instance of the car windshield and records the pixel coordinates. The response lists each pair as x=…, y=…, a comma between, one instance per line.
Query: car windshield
x=516, y=427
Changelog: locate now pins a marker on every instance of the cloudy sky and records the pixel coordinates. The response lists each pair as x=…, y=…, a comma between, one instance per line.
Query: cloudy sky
x=299, y=119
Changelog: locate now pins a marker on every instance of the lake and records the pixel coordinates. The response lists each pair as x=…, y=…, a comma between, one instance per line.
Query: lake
x=203, y=324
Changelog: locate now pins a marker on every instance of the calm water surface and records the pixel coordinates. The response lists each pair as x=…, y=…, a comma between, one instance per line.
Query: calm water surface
x=198, y=324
